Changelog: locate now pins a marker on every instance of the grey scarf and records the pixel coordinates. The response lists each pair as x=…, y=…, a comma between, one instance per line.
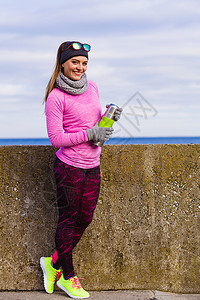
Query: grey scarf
x=73, y=87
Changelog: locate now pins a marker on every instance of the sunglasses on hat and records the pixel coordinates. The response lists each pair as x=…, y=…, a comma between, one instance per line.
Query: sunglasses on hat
x=78, y=46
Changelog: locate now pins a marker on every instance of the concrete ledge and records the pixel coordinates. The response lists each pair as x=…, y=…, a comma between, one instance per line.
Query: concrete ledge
x=145, y=232
x=105, y=295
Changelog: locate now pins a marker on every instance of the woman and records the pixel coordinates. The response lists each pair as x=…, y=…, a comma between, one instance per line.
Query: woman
x=73, y=110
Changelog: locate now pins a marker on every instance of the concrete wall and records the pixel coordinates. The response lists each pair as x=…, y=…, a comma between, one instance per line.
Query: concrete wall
x=146, y=230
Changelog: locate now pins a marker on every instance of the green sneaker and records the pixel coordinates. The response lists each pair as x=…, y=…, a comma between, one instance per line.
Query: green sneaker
x=72, y=287
x=49, y=273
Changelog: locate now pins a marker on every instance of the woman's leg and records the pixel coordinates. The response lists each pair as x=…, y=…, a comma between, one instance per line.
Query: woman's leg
x=70, y=183
x=88, y=204
x=86, y=209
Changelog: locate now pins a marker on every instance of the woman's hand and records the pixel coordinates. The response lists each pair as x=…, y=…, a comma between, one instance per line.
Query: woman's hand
x=117, y=113
x=97, y=133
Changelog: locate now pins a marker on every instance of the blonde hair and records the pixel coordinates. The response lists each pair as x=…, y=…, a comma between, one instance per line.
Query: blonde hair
x=57, y=69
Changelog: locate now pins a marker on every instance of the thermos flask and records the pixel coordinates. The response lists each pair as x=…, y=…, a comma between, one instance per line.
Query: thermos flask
x=107, y=120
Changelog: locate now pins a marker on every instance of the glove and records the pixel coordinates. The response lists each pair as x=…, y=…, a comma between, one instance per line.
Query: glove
x=97, y=133
x=117, y=113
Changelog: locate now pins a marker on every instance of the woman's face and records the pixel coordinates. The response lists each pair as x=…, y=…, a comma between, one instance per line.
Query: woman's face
x=75, y=67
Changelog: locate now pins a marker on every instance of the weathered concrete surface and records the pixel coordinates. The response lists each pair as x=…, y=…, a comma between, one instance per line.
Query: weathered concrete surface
x=103, y=295
x=145, y=233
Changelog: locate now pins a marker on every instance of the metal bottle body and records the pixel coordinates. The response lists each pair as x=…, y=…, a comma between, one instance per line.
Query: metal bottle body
x=107, y=120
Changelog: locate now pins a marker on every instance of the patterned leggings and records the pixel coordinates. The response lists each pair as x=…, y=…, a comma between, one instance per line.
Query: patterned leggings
x=77, y=195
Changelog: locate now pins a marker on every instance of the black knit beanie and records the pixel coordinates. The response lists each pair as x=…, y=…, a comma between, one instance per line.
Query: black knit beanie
x=70, y=52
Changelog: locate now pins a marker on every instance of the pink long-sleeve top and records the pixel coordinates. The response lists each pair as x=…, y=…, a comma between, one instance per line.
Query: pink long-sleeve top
x=68, y=117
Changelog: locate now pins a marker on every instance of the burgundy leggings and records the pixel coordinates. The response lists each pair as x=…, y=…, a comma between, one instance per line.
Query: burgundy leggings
x=77, y=195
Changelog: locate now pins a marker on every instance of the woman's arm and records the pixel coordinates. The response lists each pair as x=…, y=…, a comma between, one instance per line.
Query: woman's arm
x=54, y=109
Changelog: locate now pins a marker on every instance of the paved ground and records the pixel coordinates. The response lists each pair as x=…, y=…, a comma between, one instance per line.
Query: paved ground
x=104, y=295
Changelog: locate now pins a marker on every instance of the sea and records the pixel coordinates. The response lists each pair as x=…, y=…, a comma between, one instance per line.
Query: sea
x=112, y=141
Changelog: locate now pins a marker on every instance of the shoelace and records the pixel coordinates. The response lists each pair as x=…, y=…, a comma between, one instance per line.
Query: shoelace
x=75, y=283
x=58, y=275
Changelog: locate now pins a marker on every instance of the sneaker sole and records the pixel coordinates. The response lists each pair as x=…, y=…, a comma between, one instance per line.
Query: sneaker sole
x=68, y=293
x=42, y=264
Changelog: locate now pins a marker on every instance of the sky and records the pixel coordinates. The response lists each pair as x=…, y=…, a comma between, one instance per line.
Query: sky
x=145, y=57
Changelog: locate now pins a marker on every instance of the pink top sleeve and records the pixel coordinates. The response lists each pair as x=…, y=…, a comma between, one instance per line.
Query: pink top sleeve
x=54, y=117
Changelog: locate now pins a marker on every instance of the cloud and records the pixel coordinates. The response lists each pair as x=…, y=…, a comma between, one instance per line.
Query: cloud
x=147, y=46
x=65, y=17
